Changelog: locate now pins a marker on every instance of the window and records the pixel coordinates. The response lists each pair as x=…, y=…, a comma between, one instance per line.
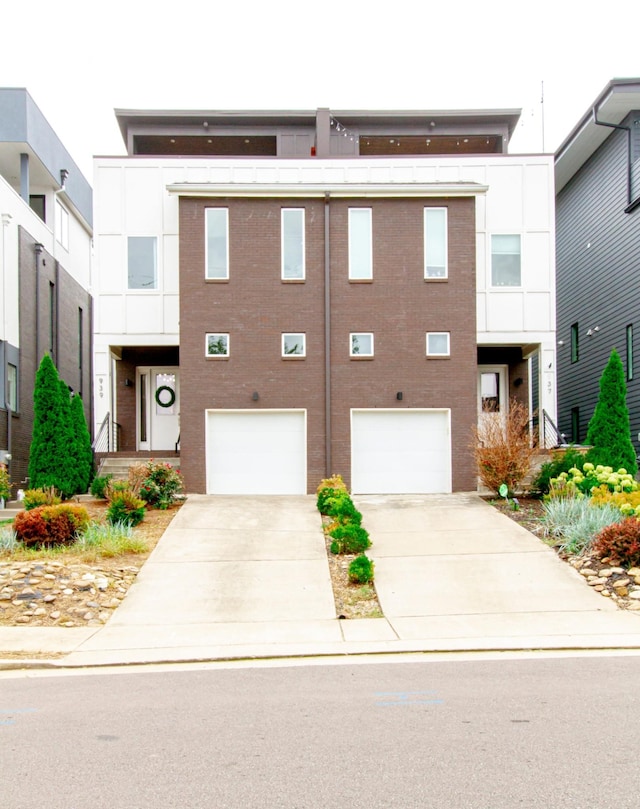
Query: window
x=361, y=344
x=292, y=247
x=505, y=261
x=575, y=348
x=629, y=353
x=438, y=344
x=52, y=321
x=294, y=345
x=62, y=225
x=37, y=203
x=12, y=386
x=142, y=262
x=217, y=345
x=575, y=425
x=360, y=244
x=217, y=244
x=435, y=243
x=80, y=349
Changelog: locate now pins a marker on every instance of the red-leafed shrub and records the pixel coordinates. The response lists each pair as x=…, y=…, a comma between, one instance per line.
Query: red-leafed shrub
x=620, y=542
x=51, y=525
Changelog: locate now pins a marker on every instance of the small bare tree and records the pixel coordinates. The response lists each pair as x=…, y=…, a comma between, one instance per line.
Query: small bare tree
x=504, y=446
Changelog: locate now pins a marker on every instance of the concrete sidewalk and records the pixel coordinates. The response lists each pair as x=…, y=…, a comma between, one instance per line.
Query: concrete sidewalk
x=239, y=577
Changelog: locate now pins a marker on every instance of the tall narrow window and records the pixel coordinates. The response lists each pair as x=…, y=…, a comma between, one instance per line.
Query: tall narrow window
x=80, y=348
x=292, y=244
x=435, y=243
x=142, y=262
x=217, y=244
x=629, y=353
x=143, y=407
x=360, y=244
x=575, y=345
x=575, y=425
x=505, y=261
x=12, y=386
x=62, y=225
x=52, y=320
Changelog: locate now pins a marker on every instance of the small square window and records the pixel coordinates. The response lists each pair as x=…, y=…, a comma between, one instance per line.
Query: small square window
x=294, y=345
x=142, y=262
x=361, y=344
x=217, y=345
x=438, y=344
x=217, y=244
x=293, y=264
x=435, y=243
x=506, y=261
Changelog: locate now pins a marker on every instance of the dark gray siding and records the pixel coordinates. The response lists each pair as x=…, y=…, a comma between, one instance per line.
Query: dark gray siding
x=598, y=280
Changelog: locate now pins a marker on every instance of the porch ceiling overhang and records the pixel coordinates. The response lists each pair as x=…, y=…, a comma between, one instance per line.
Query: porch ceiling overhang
x=333, y=190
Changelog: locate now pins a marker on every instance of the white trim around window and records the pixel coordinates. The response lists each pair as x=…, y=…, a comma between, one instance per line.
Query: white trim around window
x=294, y=345
x=216, y=244
x=360, y=244
x=506, y=260
x=142, y=263
x=216, y=345
x=361, y=345
x=436, y=262
x=292, y=244
x=438, y=344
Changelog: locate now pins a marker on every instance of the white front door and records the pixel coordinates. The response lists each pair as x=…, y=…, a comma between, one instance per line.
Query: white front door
x=492, y=389
x=158, y=408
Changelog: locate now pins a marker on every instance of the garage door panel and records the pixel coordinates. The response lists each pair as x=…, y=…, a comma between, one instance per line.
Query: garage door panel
x=401, y=452
x=256, y=452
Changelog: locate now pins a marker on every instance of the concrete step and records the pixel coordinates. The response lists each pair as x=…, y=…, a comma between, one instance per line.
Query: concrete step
x=118, y=466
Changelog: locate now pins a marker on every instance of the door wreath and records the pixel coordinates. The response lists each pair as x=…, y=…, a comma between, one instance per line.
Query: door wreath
x=172, y=396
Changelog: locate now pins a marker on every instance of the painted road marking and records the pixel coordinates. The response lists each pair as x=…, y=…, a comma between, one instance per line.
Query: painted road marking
x=389, y=698
x=13, y=712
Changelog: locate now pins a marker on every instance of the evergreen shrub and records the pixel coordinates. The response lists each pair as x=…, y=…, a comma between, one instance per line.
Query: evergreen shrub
x=51, y=525
x=327, y=489
x=40, y=497
x=99, y=486
x=351, y=538
x=361, y=570
x=125, y=507
x=553, y=469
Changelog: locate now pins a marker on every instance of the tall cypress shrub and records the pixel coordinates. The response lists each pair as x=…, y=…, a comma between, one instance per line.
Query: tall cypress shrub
x=82, y=445
x=50, y=462
x=609, y=430
x=69, y=474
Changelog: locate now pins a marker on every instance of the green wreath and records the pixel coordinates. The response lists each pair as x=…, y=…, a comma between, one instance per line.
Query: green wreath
x=172, y=396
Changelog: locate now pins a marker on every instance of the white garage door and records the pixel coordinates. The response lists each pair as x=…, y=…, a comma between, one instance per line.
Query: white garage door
x=400, y=451
x=256, y=452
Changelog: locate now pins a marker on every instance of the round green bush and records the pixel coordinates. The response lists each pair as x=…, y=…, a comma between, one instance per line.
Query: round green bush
x=125, y=508
x=361, y=570
x=352, y=538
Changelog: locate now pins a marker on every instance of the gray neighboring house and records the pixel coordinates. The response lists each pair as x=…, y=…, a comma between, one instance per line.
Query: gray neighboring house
x=45, y=270
x=597, y=171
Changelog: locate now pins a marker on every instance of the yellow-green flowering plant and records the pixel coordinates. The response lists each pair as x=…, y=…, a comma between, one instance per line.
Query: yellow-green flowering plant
x=590, y=478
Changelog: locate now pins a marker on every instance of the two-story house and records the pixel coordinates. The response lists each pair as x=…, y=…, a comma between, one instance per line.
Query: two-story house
x=597, y=170
x=289, y=294
x=45, y=270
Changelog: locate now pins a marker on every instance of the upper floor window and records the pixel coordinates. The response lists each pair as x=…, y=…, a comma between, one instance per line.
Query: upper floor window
x=505, y=261
x=361, y=344
x=217, y=244
x=360, y=244
x=62, y=225
x=142, y=262
x=293, y=264
x=629, y=353
x=294, y=345
x=435, y=243
x=438, y=344
x=575, y=345
x=217, y=345
x=12, y=386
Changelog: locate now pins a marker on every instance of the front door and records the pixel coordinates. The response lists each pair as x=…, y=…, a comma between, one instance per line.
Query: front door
x=158, y=408
x=492, y=390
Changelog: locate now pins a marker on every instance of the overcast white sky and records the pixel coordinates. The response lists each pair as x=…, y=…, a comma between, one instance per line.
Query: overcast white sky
x=80, y=59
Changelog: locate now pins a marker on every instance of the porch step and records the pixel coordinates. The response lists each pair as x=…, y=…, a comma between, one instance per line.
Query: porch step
x=118, y=465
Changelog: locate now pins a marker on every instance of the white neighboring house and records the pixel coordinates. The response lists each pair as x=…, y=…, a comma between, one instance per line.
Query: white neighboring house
x=144, y=230
x=45, y=270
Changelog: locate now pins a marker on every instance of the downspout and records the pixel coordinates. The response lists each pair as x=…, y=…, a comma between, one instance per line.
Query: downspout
x=627, y=129
x=327, y=339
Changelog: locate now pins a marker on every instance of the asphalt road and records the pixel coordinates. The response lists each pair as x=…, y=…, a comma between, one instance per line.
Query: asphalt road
x=541, y=733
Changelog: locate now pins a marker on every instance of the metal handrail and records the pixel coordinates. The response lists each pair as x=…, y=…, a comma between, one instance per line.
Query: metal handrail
x=551, y=435
x=102, y=440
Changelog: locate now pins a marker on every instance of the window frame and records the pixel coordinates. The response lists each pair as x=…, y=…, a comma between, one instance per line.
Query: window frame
x=13, y=405
x=629, y=346
x=62, y=225
x=303, y=247
x=495, y=285
x=154, y=288
x=207, y=276
x=439, y=354
x=217, y=334
x=357, y=355
x=368, y=276
x=288, y=356
x=575, y=343
x=445, y=235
